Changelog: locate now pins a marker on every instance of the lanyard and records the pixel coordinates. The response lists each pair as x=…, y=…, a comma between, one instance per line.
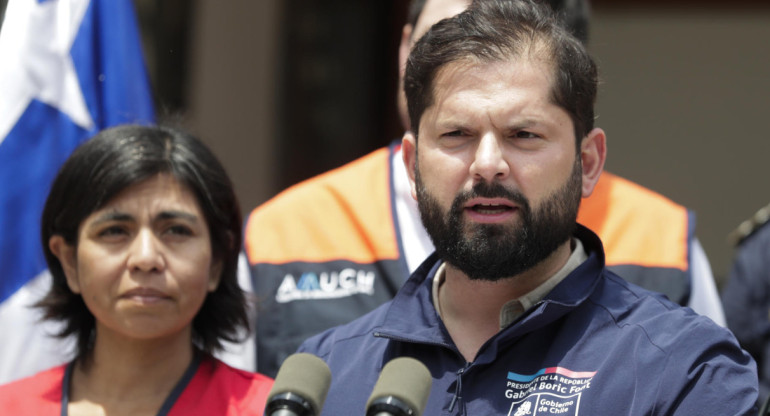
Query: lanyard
x=167, y=404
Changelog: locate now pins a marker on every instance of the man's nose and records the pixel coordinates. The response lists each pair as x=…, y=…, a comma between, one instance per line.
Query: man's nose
x=489, y=162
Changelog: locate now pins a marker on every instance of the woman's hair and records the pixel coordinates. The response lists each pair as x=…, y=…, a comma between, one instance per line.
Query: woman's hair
x=114, y=160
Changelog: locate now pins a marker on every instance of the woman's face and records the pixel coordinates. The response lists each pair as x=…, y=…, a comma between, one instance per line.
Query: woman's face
x=143, y=263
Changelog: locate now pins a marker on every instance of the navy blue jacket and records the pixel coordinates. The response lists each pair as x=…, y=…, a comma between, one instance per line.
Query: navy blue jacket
x=596, y=345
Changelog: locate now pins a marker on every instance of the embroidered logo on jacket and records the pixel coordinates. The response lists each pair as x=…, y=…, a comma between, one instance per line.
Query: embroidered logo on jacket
x=550, y=391
x=325, y=285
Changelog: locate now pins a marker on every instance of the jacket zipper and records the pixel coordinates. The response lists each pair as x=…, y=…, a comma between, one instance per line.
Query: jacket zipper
x=458, y=387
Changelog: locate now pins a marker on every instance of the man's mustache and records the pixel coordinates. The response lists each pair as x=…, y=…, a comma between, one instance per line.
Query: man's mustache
x=492, y=190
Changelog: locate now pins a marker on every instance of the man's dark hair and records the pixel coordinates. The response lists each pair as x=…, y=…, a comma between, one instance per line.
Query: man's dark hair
x=114, y=160
x=496, y=31
x=573, y=14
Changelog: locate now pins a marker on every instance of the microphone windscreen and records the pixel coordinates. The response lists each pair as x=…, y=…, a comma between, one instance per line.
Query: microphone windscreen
x=405, y=379
x=304, y=375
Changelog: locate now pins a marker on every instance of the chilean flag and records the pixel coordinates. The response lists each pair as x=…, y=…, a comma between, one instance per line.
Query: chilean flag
x=68, y=68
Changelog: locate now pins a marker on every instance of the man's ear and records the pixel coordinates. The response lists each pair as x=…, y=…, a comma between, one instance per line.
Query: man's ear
x=67, y=255
x=409, y=153
x=593, y=153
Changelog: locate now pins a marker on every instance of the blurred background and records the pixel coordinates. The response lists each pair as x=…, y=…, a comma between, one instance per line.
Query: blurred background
x=283, y=90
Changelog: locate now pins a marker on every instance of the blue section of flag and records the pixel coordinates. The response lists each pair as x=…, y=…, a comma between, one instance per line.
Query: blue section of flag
x=110, y=69
x=109, y=63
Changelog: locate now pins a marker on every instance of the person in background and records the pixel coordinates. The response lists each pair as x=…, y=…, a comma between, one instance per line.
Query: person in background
x=515, y=312
x=142, y=232
x=336, y=246
x=746, y=295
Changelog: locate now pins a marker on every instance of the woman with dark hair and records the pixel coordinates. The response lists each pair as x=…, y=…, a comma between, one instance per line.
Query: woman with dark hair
x=142, y=232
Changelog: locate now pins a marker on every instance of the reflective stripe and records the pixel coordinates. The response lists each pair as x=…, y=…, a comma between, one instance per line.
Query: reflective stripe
x=673, y=283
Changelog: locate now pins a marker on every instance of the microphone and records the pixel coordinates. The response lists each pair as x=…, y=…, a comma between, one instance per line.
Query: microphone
x=401, y=390
x=300, y=387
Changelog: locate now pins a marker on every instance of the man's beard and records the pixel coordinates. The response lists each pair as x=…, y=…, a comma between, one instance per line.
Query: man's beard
x=494, y=251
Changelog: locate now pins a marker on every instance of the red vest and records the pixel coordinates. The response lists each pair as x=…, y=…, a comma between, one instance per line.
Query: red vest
x=216, y=389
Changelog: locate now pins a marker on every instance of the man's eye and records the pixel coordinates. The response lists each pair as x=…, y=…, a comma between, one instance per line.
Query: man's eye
x=525, y=135
x=455, y=133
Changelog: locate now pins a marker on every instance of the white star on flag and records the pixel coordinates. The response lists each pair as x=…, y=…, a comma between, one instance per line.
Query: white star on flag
x=36, y=61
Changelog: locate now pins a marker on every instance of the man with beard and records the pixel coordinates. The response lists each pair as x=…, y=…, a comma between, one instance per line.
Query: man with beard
x=332, y=248
x=515, y=310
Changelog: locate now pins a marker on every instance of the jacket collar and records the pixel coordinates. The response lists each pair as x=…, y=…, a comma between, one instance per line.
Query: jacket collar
x=411, y=316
